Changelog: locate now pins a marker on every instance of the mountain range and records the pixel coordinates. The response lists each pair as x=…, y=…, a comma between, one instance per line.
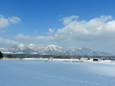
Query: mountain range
x=50, y=50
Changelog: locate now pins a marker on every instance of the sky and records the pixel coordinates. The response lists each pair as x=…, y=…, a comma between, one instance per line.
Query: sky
x=65, y=23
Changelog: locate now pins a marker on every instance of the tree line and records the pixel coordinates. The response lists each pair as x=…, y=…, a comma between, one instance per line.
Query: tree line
x=1, y=56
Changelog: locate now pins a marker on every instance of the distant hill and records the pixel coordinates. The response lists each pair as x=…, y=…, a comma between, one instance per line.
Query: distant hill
x=50, y=50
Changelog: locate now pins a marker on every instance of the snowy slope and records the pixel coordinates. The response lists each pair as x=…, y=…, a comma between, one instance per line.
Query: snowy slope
x=55, y=73
x=51, y=50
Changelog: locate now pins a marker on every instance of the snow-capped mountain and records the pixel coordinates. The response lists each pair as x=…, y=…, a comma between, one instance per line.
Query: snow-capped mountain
x=50, y=50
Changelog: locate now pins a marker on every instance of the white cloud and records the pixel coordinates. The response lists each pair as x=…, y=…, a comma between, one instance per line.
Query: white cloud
x=93, y=27
x=68, y=20
x=1, y=32
x=7, y=42
x=28, y=39
x=51, y=31
x=110, y=26
x=5, y=22
x=14, y=19
x=38, y=40
x=21, y=36
x=79, y=29
x=97, y=33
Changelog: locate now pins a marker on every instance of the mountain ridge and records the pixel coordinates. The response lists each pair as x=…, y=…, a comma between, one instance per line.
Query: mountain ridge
x=51, y=50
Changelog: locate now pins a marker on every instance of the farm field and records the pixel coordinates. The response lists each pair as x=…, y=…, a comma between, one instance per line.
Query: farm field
x=56, y=73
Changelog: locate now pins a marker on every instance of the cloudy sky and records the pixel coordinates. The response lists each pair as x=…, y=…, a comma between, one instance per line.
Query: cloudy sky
x=66, y=23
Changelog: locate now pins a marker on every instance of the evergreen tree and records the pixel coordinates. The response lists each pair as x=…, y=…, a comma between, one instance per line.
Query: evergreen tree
x=1, y=55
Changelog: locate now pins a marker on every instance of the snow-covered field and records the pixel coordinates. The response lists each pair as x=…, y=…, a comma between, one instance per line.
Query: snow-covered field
x=56, y=73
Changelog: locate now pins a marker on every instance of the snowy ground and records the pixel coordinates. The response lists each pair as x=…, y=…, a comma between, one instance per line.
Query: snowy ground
x=56, y=73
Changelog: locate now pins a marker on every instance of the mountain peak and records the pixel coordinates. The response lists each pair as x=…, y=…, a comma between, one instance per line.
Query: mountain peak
x=22, y=46
x=53, y=47
x=52, y=50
